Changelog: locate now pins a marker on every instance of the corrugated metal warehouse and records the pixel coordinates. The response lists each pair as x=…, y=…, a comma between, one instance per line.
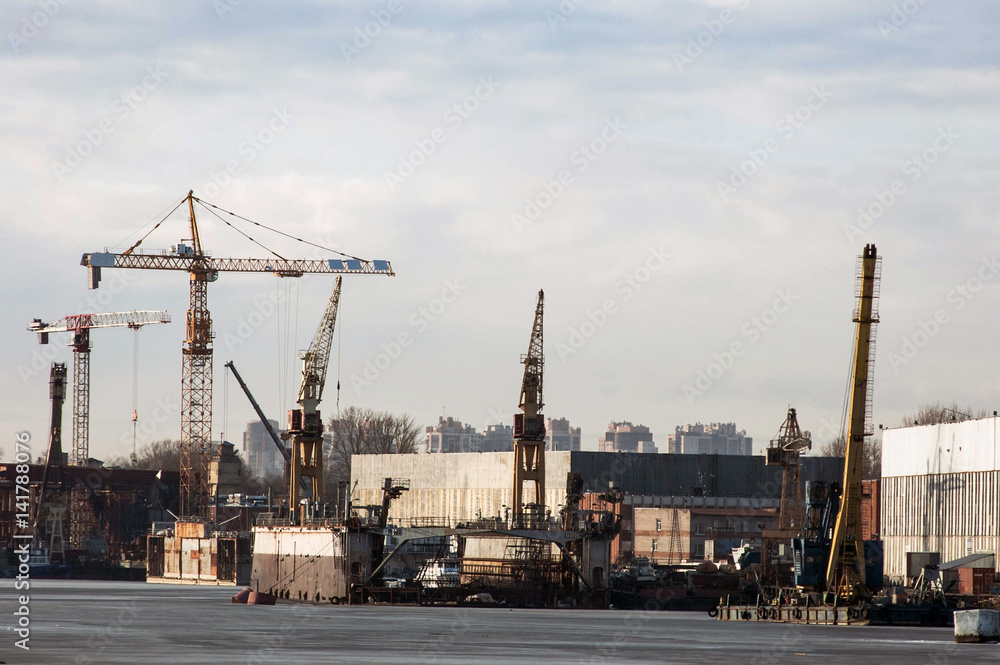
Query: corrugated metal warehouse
x=463, y=486
x=940, y=491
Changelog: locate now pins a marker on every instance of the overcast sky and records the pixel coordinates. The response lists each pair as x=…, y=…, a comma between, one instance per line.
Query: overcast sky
x=684, y=180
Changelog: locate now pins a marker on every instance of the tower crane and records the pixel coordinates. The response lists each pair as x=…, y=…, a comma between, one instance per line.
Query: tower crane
x=81, y=325
x=845, y=570
x=196, y=376
x=529, y=425
x=305, y=424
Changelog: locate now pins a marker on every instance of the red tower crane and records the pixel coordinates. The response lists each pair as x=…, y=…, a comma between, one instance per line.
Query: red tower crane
x=81, y=325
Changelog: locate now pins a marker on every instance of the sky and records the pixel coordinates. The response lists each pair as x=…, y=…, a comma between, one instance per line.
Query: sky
x=689, y=182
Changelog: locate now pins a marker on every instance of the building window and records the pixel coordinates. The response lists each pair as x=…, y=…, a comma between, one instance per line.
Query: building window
x=659, y=524
x=699, y=529
x=652, y=548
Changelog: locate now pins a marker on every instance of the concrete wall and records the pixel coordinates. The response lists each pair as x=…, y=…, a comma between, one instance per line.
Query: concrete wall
x=451, y=486
x=457, y=486
x=306, y=563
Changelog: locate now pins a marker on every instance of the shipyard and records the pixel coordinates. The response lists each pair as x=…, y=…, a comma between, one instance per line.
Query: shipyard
x=488, y=332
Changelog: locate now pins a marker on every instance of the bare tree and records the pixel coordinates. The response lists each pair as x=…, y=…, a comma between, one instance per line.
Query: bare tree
x=932, y=414
x=365, y=432
x=871, y=466
x=164, y=454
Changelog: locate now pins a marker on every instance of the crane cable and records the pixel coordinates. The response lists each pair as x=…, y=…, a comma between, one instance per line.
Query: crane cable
x=241, y=232
x=340, y=341
x=162, y=219
x=282, y=233
x=135, y=391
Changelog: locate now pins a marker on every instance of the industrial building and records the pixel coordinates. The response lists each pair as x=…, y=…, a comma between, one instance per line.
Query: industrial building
x=624, y=437
x=940, y=491
x=711, y=439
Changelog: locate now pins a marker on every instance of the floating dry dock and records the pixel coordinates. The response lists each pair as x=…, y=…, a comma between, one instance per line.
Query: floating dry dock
x=342, y=562
x=829, y=615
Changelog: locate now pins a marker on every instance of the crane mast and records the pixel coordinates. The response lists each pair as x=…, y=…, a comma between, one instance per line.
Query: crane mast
x=196, y=376
x=845, y=573
x=529, y=425
x=305, y=424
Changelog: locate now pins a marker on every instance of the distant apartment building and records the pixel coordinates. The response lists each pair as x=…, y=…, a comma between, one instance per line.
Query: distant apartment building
x=624, y=437
x=560, y=436
x=451, y=436
x=711, y=439
x=498, y=439
x=262, y=457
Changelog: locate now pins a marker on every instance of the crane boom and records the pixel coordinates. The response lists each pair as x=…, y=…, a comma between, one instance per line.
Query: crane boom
x=845, y=574
x=260, y=412
x=133, y=319
x=280, y=267
x=316, y=359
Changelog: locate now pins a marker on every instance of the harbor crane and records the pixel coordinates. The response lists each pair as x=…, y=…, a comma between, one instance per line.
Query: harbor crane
x=785, y=451
x=81, y=325
x=529, y=425
x=305, y=424
x=845, y=569
x=196, y=378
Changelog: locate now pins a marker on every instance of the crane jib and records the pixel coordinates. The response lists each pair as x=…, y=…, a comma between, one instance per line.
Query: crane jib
x=167, y=261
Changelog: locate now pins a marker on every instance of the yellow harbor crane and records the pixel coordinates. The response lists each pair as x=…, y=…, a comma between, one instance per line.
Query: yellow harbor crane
x=196, y=378
x=529, y=425
x=845, y=570
x=305, y=425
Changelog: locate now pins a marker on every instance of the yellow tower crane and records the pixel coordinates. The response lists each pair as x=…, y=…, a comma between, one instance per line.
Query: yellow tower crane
x=196, y=378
